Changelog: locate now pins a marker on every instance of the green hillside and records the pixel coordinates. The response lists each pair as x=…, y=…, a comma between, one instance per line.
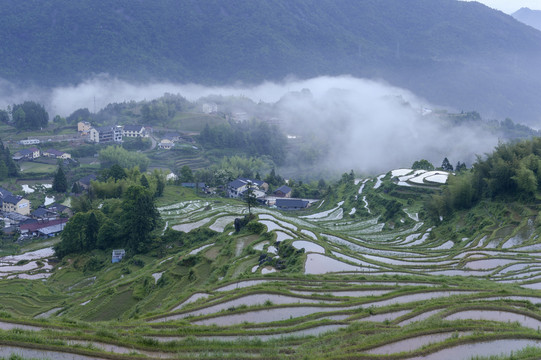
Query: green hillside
x=368, y=272
x=455, y=53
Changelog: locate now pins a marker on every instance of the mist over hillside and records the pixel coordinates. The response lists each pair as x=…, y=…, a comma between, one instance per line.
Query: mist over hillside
x=457, y=54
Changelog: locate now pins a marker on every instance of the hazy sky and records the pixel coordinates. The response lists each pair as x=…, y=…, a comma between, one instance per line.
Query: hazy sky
x=510, y=6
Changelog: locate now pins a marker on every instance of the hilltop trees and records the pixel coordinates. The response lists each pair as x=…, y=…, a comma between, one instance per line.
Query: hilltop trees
x=140, y=217
x=29, y=116
x=117, y=155
x=446, y=165
x=512, y=170
x=128, y=224
x=422, y=165
x=255, y=137
x=126, y=217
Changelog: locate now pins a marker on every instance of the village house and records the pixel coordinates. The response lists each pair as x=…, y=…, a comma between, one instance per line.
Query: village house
x=166, y=144
x=55, y=154
x=209, y=108
x=117, y=255
x=42, y=213
x=27, y=154
x=15, y=219
x=60, y=209
x=172, y=136
x=236, y=188
x=43, y=228
x=292, y=204
x=83, y=127
x=134, y=131
x=106, y=134
x=84, y=182
x=29, y=142
x=15, y=203
x=283, y=192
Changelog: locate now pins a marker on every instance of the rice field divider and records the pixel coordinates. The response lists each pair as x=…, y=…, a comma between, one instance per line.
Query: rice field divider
x=201, y=306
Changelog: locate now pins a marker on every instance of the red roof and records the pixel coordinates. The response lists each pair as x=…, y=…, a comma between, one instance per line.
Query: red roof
x=40, y=225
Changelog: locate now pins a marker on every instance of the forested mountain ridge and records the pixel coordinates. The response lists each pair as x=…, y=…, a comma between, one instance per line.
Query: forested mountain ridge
x=454, y=53
x=529, y=17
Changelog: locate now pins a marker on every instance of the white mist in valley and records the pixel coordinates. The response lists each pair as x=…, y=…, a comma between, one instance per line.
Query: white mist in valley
x=352, y=123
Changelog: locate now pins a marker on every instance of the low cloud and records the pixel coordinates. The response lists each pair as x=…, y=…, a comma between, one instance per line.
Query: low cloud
x=363, y=125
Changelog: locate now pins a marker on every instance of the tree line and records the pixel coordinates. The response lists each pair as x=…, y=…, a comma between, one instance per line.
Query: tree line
x=126, y=218
x=512, y=171
x=254, y=137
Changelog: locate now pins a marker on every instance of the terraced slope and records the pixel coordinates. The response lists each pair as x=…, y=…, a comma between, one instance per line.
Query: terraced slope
x=328, y=282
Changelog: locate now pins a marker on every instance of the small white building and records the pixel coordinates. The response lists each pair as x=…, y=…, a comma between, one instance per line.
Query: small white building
x=29, y=142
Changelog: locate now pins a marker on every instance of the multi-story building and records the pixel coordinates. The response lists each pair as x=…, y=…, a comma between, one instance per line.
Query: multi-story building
x=15, y=203
x=106, y=134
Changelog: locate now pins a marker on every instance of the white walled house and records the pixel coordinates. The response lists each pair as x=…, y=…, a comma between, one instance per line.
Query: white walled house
x=106, y=134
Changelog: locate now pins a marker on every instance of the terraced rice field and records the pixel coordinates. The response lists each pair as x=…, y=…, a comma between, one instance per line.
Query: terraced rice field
x=357, y=288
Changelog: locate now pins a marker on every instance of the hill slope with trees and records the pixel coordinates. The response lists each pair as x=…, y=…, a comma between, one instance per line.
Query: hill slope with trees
x=455, y=53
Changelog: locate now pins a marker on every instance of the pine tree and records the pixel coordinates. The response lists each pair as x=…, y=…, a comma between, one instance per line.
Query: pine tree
x=144, y=181
x=446, y=165
x=60, y=184
x=3, y=170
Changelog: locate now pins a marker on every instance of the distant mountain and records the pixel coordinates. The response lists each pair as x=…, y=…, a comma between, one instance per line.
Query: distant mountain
x=529, y=17
x=454, y=53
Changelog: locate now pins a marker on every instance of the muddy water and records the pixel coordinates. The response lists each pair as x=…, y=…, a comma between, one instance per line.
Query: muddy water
x=351, y=293
x=419, y=317
x=487, y=348
x=387, y=316
x=191, y=299
x=7, y=351
x=308, y=246
x=315, y=331
x=9, y=326
x=488, y=263
x=416, y=297
x=320, y=264
x=242, y=284
x=501, y=316
x=411, y=344
x=249, y=300
x=121, y=349
x=262, y=316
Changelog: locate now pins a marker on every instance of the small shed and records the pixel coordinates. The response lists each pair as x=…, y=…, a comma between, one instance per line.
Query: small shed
x=118, y=255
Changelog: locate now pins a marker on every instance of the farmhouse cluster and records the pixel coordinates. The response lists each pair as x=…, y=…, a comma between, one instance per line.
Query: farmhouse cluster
x=280, y=198
x=17, y=216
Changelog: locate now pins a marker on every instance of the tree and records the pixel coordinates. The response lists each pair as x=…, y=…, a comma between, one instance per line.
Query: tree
x=30, y=116
x=185, y=174
x=249, y=198
x=526, y=180
x=460, y=166
x=144, y=181
x=446, y=165
x=140, y=217
x=422, y=165
x=60, y=184
x=160, y=183
x=3, y=170
x=112, y=155
x=108, y=234
x=4, y=116
x=76, y=189
x=72, y=236
x=91, y=231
